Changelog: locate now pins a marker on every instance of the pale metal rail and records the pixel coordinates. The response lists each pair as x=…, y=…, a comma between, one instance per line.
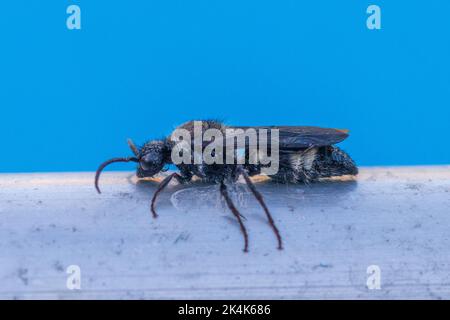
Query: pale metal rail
x=392, y=222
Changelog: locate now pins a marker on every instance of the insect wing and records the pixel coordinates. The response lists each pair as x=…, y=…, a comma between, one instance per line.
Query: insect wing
x=296, y=137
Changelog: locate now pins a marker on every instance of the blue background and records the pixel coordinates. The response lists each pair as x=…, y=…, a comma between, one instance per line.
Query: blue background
x=70, y=98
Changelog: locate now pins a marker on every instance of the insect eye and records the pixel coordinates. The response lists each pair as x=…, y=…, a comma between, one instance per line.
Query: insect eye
x=145, y=165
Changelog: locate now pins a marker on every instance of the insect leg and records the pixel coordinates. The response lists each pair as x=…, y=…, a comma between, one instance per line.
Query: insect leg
x=161, y=186
x=260, y=199
x=224, y=193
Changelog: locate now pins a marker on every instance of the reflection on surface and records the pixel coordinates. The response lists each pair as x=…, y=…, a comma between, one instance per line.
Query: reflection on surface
x=206, y=196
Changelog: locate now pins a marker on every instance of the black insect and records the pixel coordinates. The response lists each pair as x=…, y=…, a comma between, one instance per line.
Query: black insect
x=306, y=154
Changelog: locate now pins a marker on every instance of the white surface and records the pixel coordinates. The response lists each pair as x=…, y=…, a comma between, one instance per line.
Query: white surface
x=396, y=218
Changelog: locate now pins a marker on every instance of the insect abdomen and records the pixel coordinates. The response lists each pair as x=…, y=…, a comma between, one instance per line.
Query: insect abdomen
x=314, y=163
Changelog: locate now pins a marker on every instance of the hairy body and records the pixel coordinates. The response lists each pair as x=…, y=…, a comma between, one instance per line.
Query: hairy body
x=299, y=165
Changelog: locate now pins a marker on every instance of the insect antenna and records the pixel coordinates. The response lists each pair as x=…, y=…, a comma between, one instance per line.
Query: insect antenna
x=230, y=204
x=108, y=162
x=133, y=147
x=260, y=199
